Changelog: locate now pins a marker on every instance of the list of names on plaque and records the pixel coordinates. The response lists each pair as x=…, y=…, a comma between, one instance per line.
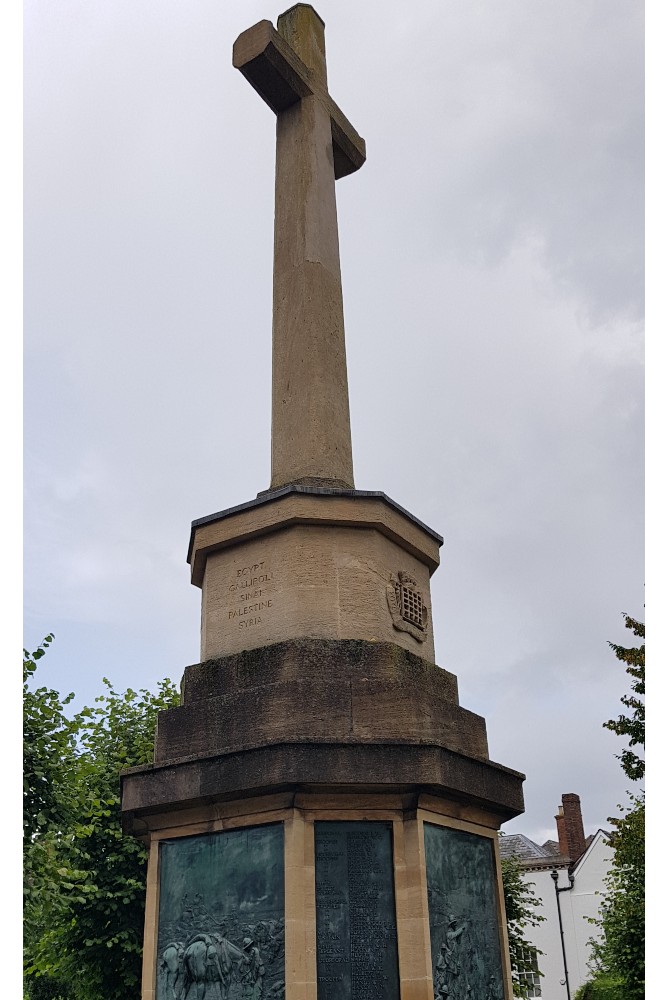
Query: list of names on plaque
x=357, y=954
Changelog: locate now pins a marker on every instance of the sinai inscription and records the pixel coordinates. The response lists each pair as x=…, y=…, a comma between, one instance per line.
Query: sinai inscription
x=249, y=595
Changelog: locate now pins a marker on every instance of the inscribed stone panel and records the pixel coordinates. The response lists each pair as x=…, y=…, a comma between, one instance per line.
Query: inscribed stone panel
x=221, y=930
x=357, y=955
x=463, y=915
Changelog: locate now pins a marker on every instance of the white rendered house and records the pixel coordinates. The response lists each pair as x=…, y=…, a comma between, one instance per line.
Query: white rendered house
x=568, y=877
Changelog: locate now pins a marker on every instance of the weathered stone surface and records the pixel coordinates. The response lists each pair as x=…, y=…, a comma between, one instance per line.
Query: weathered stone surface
x=318, y=700
x=315, y=658
x=314, y=142
x=309, y=562
x=312, y=690
x=306, y=710
x=311, y=503
x=269, y=62
x=370, y=768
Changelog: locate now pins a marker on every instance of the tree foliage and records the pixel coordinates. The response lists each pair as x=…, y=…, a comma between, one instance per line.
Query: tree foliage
x=520, y=908
x=49, y=761
x=631, y=725
x=621, y=917
x=48, y=751
x=85, y=882
x=619, y=957
x=603, y=987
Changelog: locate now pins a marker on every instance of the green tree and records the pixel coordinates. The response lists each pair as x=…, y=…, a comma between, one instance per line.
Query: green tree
x=632, y=725
x=622, y=911
x=85, y=900
x=49, y=746
x=619, y=957
x=603, y=987
x=49, y=762
x=520, y=908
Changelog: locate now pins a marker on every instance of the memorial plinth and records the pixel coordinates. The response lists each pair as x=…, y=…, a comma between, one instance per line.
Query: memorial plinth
x=306, y=561
x=321, y=811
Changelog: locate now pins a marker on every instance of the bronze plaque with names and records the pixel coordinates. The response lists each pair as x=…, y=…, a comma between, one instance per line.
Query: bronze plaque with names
x=357, y=953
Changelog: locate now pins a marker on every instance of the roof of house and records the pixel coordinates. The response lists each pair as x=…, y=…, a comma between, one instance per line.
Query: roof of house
x=517, y=845
x=533, y=856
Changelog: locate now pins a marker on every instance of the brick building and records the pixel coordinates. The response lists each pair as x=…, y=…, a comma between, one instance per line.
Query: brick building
x=568, y=877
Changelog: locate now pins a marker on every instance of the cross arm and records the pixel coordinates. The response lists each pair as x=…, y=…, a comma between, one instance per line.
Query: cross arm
x=281, y=79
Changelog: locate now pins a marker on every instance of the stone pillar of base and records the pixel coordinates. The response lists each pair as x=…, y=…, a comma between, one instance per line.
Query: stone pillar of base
x=307, y=843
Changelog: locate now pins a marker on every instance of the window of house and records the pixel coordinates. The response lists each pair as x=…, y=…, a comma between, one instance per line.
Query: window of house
x=529, y=975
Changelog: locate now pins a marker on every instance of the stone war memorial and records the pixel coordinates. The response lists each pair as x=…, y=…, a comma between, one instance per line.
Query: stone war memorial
x=321, y=812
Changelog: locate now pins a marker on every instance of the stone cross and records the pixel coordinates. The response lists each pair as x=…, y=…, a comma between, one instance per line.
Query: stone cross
x=315, y=144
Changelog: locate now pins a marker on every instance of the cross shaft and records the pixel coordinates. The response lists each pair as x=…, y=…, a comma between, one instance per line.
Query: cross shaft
x=315, y=143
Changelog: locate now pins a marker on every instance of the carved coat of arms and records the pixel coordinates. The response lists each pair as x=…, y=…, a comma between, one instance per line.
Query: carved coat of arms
x=406, y=606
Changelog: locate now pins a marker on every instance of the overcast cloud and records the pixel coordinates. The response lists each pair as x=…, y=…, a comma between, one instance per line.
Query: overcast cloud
x=492, y=262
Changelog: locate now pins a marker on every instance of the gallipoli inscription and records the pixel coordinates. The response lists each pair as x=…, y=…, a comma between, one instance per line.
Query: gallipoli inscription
x=250, y=596
x=357, y=955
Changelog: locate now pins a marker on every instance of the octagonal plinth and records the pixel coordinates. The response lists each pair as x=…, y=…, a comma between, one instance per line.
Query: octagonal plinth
x=314, y=690
x=362, y=741
x=304, y=561
x=314, y=712
x=329, y=890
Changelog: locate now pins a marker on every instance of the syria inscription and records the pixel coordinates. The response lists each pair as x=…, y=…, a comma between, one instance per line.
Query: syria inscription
x=463, y=915
x=357, y=956
x=221, y=929
x=250, y=595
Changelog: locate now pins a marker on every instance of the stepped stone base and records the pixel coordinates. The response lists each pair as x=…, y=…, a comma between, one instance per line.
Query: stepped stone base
x=328, y=715
x=350, y=741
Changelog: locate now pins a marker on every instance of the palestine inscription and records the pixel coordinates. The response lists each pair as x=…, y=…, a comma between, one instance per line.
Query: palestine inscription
x=357, y=955
x=249, y=593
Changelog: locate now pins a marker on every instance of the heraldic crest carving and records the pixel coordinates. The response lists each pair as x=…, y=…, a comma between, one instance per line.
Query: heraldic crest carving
x=406, y=606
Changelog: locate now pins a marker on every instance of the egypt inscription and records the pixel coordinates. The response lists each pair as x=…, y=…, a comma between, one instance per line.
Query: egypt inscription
x=221, y=929
x=357, y=956
x=463, y=915
x=251, y=596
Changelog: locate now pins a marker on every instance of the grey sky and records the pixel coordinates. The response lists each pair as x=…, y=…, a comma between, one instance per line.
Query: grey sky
x=493, y=281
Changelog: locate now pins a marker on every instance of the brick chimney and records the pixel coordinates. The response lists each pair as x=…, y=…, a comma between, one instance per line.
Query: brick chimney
x=562, y=835
x=571, y=839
